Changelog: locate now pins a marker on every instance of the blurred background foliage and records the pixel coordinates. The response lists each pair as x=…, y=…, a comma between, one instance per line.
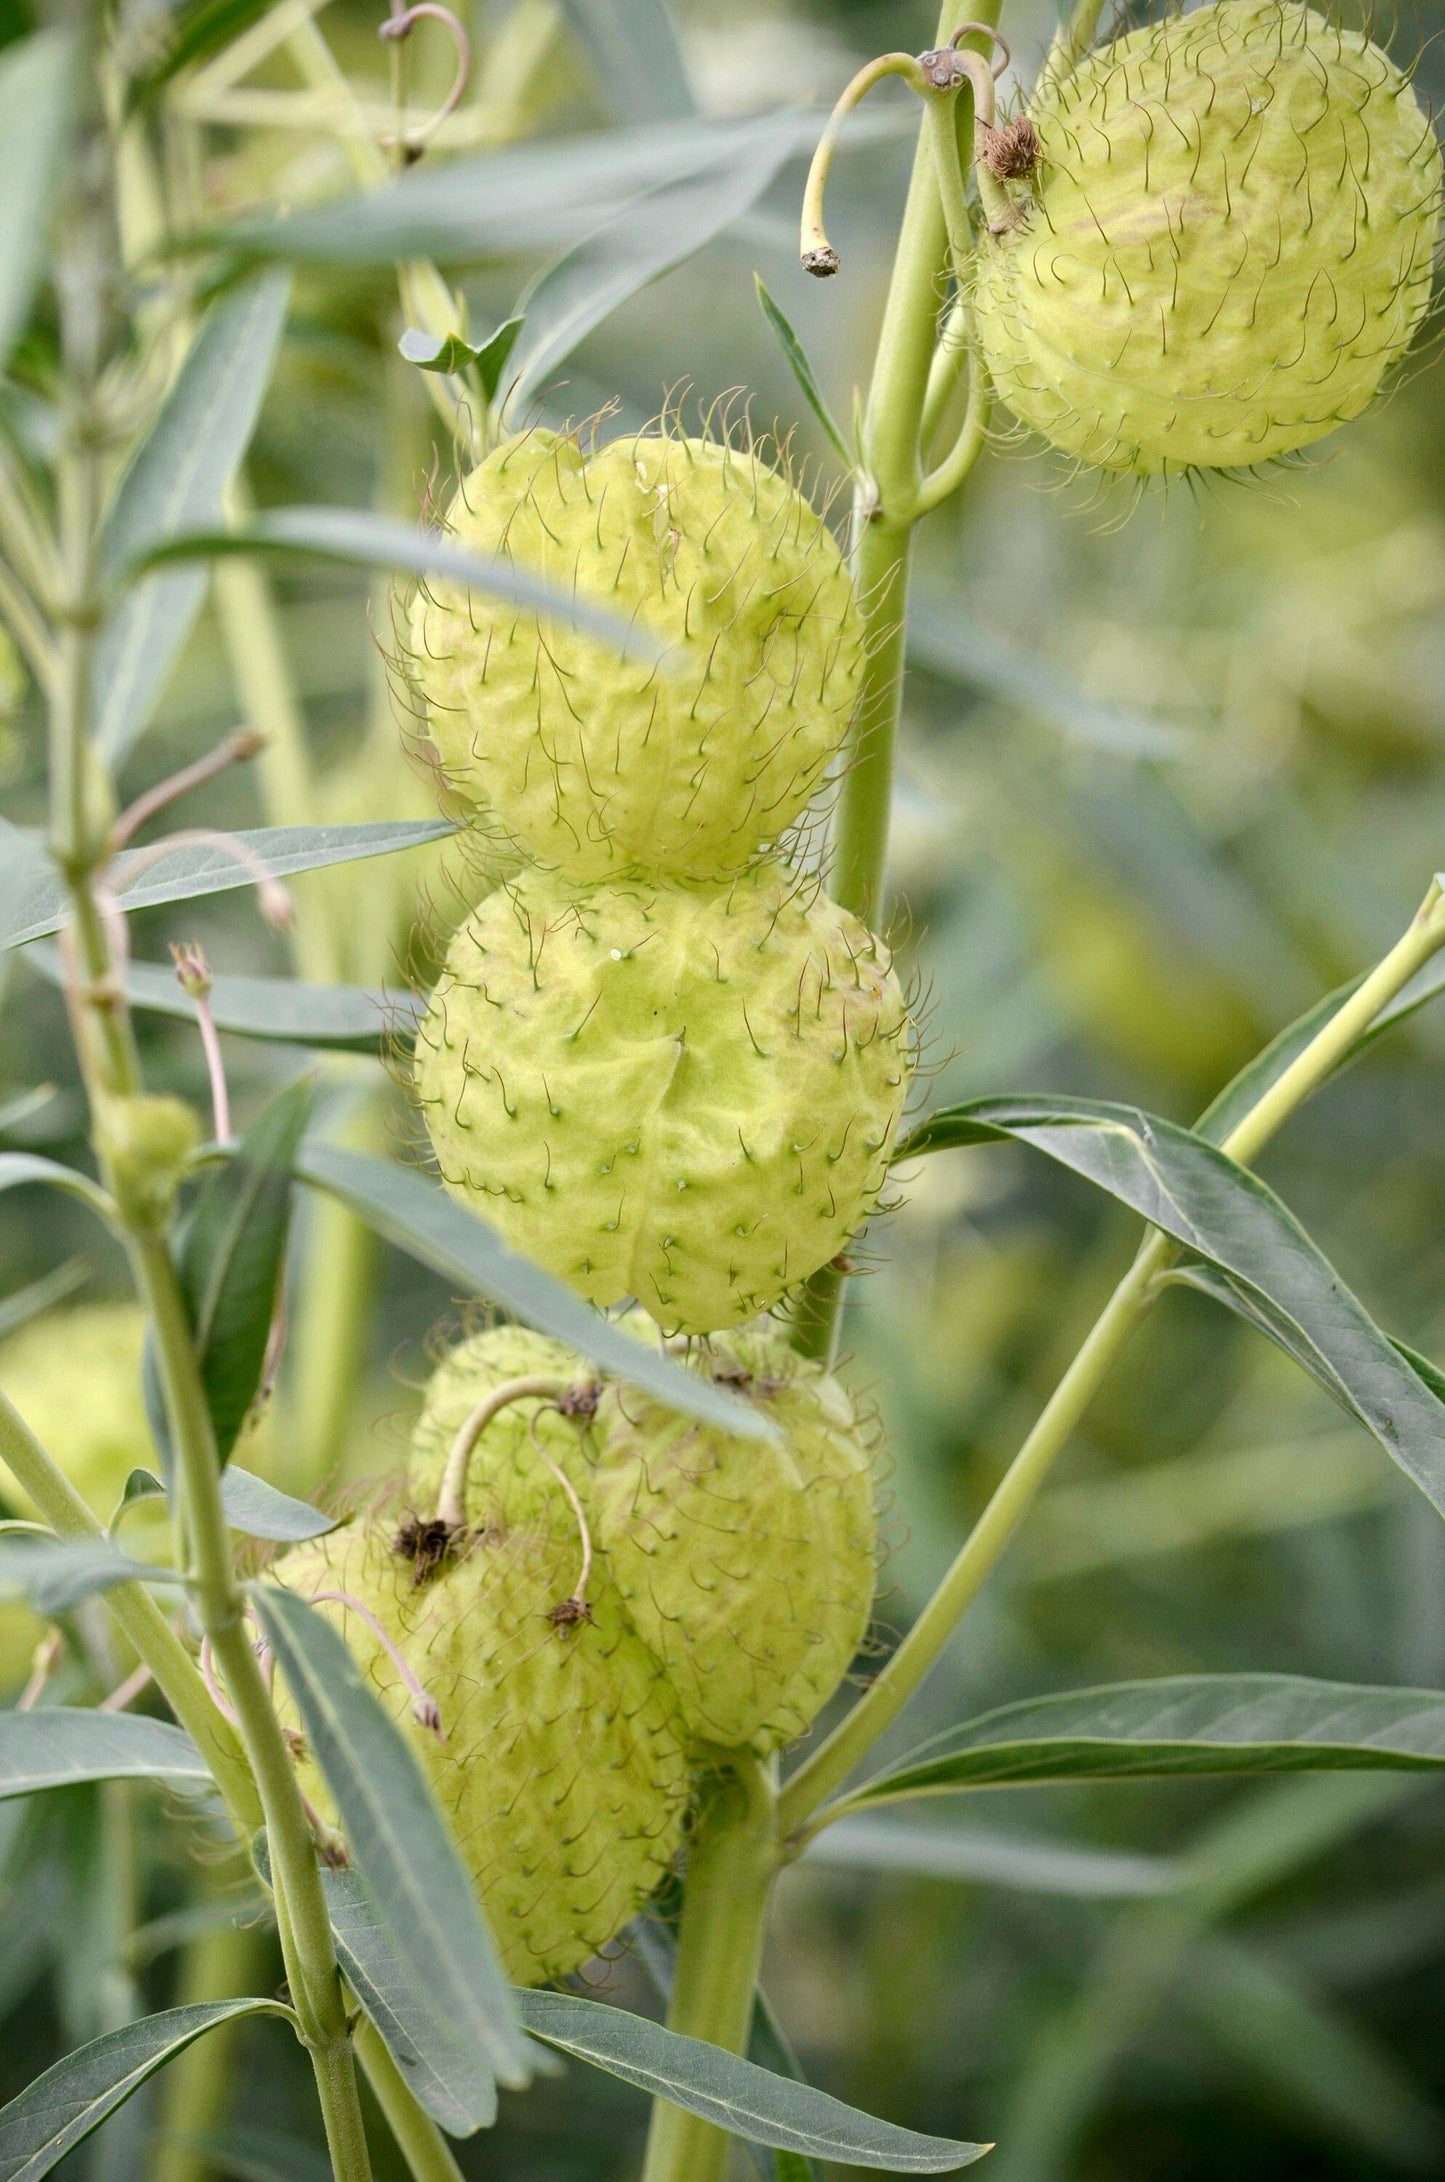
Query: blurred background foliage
x=1171, y=770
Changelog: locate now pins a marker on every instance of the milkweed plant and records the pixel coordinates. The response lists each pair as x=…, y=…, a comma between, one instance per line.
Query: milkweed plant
x=555, y=1683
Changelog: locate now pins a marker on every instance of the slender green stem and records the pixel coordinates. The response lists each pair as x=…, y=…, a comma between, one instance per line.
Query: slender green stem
x=199, y=2083
x=940, y=484
x=881, y=1705
x=732, y=1861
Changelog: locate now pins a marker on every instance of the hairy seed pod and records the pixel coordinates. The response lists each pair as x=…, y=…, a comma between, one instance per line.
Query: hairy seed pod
x=683, y=1096
x=602, y=766
x=748, y=1568
x=563, y=1774
x=1228, y=244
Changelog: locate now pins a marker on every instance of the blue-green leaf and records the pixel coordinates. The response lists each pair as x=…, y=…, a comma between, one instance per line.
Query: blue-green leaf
x=56, y=1746
x=61, y=2108
x=362, y=540
x=734, y=2094
x=635, y=49
x=1022, y=1863
x=283, y=1010
x=176, y=481
x=1224, y=1215
x=450, y=353
x=400, y=1848
x=261, y=1511
x=1179, y=1725
x=17, y=1168
x=37, y=95
x=231, y=1251
x=636, y=246
x=415, y=1213
x=55, y=1574
x=796, y=357
x=141, y=879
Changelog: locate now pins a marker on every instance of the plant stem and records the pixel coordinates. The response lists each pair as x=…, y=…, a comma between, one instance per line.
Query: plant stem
x=198, y=2084
x=1131, y=1300
x=886, y=507
x=732, y=1861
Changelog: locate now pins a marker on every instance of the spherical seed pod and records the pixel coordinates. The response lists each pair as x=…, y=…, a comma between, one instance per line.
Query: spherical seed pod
x=687, y=1097
x=1229, y=242
x=563, y=1773
x=602, y=766
x=748, y=1568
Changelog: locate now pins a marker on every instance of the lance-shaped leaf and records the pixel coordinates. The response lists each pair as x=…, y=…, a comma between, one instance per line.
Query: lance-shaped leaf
x=635, y=49
x=528, y=199
x=283, y=1010
x=636, y=246
x=1179, y=1725
x=1249, y=1086
x=176, y=481
x=734, y=2094
x=450, y=353
x=61, y=2108
x=796, y=357
x=17, y=1168
x=260, y=1511
x=402, y=1853
x=143, y=879
x=1227, y=1217
x=37, y=89
x=55, y=1574
x=55, y=1746
x=232, y=1248
x=1022, y=1863
x=416, y=1214
x=360, y=539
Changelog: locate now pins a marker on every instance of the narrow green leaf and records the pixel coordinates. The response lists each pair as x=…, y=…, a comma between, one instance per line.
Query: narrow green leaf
x=17, y=1168
x=62, y=2107
x=1194, y=1193
x=796, y=358
x=734, y=2094
x=1179, y=1725
x=56, y=1746
x=416, y=1214
x=141, y=880
x=635, y=49
x=1249, y=1086
x=180, y=38
x=232, y=1248
x=528, y=199
x=37, y=93
x=140, y=1485
x=637, y=246
x=27, y=1303
x=56, y=1574
x=362, y=540
x=443, y=2068
x=261, y=1511
x=402, y=1853
x=944, y=640
x=15, y=1112
x=432, y=352
x=177, y=481
x=283, y=1010
x=1300, y=2044
x=1018, y=1862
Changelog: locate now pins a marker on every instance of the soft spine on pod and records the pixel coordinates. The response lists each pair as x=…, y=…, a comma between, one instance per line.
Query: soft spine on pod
x=1227, y=242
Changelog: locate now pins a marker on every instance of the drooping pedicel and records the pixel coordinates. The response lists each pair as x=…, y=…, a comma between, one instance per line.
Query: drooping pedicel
x=747, y=1567
x=562, y=1772
x=683, y=1095
x=1228, y=243
x=602, y=766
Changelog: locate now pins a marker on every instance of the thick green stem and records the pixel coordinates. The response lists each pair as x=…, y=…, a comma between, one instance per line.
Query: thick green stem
x=731, y=1864
x=875, y=1711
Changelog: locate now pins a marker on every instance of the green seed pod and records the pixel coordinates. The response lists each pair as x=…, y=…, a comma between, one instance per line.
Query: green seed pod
x=686, y=1097
x=1229, y=242
x=604, y=767
x=748, y=1568
x=563, y=1773
x=506, y=1484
